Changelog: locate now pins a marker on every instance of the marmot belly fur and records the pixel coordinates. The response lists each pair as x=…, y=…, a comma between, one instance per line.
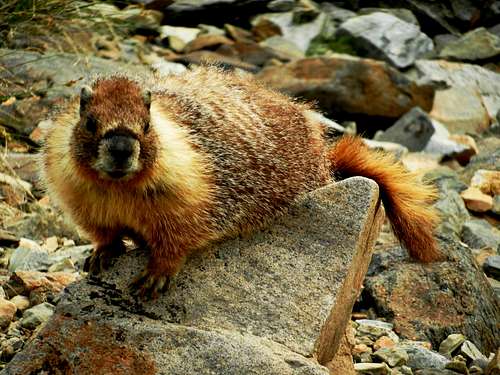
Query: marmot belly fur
x=185, y=160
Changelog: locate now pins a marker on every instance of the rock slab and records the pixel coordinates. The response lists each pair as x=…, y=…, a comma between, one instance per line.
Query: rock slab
x=277, y=302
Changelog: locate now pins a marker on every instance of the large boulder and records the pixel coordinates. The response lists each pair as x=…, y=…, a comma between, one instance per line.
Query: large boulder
x=277, y=302
x=386, y=37
x=346, y=84
x=468, y=100
x=447, y=297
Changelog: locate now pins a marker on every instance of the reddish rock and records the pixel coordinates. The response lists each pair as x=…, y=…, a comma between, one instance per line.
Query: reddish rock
x=348, y=84
x=7, y=312
x=39, y=285
x=430, y=301
x=206, y=41
x=383, y=342
x=476, y=200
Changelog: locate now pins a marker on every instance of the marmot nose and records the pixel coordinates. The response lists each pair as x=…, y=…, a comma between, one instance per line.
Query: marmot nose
x=121, y=147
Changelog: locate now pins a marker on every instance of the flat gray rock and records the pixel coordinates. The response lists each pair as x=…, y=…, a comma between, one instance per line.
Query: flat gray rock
x=277, y=302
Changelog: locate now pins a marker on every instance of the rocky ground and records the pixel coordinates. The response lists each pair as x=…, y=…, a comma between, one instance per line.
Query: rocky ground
x=417, y=78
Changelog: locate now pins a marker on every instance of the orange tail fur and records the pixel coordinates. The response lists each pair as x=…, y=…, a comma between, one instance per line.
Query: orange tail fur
x=407, y=200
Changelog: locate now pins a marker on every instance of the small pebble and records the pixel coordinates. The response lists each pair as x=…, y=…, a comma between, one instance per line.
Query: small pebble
x=372, y=368
x=37, y=315
x=7, y=312
x=451, y=343
x=21, y=302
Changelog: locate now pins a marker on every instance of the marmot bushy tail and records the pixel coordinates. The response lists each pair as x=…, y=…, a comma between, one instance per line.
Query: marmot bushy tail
x=406, y=199
x=177, y=162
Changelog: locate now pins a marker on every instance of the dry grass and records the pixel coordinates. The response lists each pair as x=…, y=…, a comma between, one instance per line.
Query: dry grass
x=54, y=18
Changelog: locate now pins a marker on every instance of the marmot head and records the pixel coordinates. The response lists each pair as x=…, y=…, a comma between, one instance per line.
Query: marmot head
x=112, y=139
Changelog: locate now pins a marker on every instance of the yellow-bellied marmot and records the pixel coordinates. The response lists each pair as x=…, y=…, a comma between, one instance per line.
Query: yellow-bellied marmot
x=200, y=156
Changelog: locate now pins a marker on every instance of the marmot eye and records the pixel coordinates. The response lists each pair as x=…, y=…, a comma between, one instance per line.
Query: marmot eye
x=91, y=124
x=146, y=127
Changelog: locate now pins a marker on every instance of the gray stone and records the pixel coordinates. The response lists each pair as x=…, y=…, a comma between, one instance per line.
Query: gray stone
x=77, y=255
x=453, y=212
x=446, y=179
x=496, y=205
x=373, y=328
x=372, y=368
x=283, y=47
x=392, y=356
x=270, y=303
x=470, y=99
x=477, y=44
x=479, y=233
x=52, y=77
x=441, y=40
x=495, y=30
x=402, y=370
x=336, y=14
x=298, y=34
x=471, y=352
x=421, y=358
x=442, y=143
x=451, y=343
x=405, y=15
x=281, y=5
x=395, y=148
x=386, y=37
x=491, y=266
x=177, y=37
x=413, y=130
x=435, y=372
x=37, y=315
x=26, y=258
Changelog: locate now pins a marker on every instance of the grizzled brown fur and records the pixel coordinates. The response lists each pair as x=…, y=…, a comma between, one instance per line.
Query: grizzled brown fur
x=210, y=155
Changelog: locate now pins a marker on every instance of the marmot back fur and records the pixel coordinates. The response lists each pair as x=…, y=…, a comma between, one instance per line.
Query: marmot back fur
x=184, y=160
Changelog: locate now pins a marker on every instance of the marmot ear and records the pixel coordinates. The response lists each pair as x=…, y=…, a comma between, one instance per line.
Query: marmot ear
x=85, y=96
x=146, y=96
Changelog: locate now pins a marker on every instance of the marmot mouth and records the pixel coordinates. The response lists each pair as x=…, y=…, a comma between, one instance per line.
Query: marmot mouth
x=116, y=174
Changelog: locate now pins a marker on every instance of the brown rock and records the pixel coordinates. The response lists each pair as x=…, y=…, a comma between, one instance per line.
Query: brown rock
x=486, y=181
x=38, y=284
x=206, y=41
x=275, y=303
x=7, y=312
x=251, y=53
x=383, y=342
x=361, y=348
x=238, y=34
x=342, y=363
x=264, y=29
x=476, y=200
x=348, y=84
